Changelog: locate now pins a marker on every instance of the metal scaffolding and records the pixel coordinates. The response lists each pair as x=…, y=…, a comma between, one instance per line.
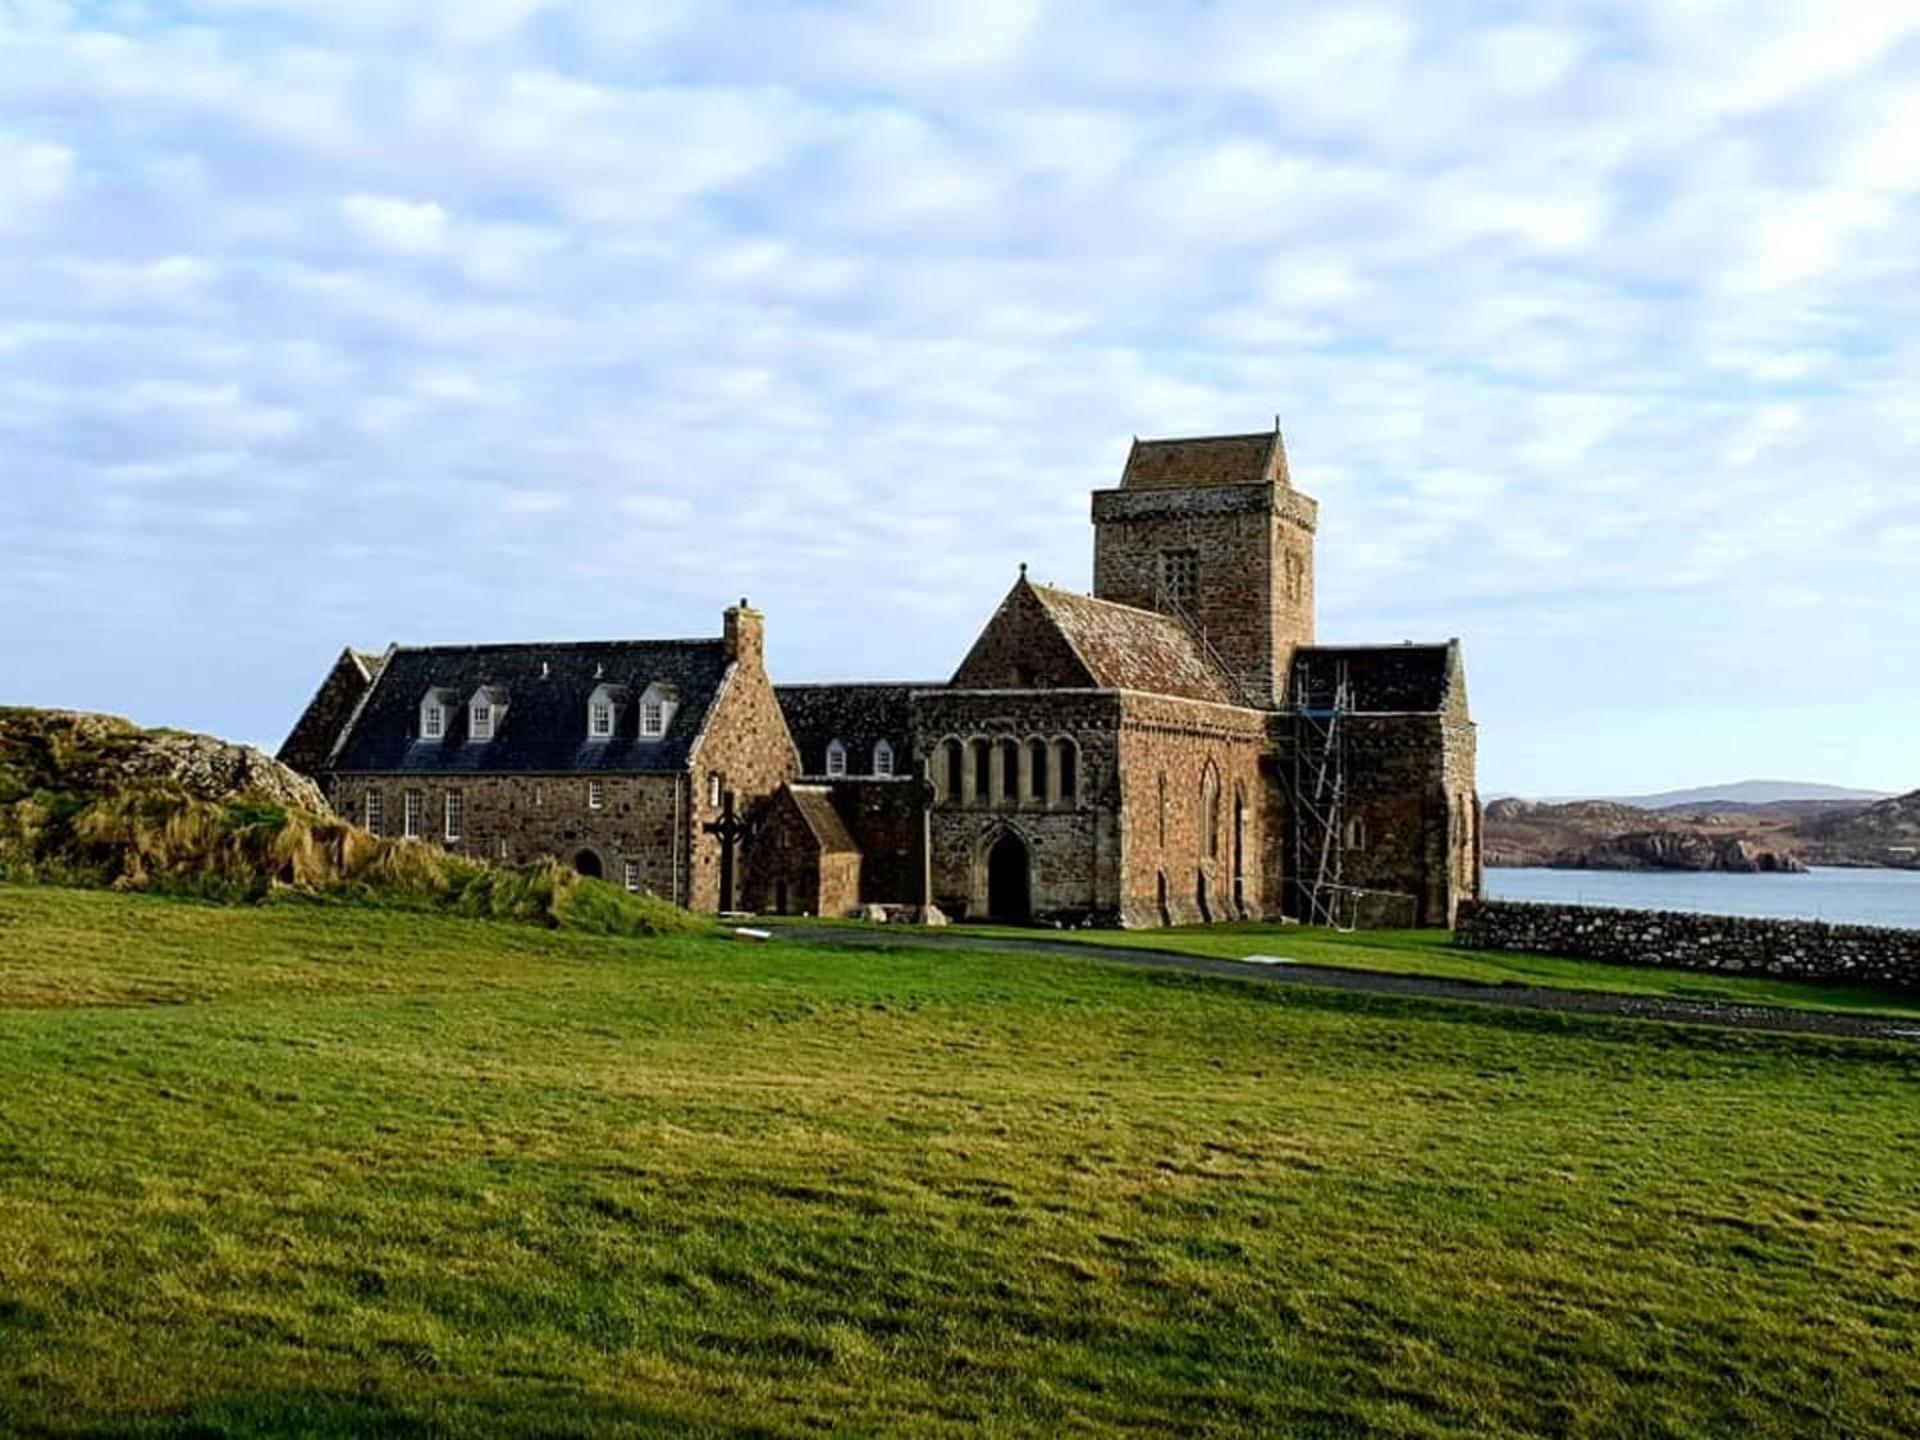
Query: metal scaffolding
x=1320, y=799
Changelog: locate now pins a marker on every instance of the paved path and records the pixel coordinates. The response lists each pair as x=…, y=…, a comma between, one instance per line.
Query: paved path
x=1376, y=982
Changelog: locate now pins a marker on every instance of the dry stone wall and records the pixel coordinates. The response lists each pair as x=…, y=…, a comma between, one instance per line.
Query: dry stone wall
x=1790, y=949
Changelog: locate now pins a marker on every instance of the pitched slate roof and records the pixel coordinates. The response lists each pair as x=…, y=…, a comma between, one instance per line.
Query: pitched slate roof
x=1205, y=460
x=545, y=729
x=1128, y=649
x=1391, y=679
x=859, y=716
x=815, y=805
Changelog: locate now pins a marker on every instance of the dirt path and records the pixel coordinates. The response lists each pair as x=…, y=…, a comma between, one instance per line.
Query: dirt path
x=1374, y=982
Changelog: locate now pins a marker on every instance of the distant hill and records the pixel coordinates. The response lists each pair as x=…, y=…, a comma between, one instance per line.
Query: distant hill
x=1777, y=835
x=1746, y=793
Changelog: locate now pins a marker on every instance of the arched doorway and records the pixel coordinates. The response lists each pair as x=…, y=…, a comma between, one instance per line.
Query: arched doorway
x=1009, y=885
x=588, y=864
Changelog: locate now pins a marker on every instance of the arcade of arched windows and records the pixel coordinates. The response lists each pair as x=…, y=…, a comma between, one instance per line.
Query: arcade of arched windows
x=1007, y=772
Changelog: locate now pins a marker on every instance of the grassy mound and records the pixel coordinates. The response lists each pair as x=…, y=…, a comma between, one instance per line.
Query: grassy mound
x=93, y=801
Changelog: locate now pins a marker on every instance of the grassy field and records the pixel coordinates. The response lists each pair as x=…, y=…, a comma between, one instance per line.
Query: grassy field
x=1432, y=952
x=301, y=1170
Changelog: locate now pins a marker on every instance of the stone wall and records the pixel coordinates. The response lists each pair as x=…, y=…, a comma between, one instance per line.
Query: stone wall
x=519, y=819
x=1253, y=545
x=1791, y=949
x=885, y=819
x=1072, y=836
x=1173, y=753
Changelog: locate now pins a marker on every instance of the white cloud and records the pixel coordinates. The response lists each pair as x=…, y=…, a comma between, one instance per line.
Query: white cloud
x=401, y=227
x=34, y=175
x=1567, y=318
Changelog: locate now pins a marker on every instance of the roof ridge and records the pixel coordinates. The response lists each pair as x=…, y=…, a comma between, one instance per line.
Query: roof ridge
x=550, y=644
x=1206, y=439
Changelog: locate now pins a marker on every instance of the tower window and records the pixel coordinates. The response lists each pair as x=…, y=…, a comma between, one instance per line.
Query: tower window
x=1180, y=577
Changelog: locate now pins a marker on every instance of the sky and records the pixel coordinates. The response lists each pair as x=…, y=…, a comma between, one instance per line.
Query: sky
x=1593, y=327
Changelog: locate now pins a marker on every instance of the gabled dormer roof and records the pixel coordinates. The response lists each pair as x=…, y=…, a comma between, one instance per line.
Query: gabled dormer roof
x=1202, y=461
x=550, y=685
x=1047, y=639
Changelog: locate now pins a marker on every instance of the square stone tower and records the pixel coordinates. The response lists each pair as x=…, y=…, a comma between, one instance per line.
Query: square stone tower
x=1211, y=530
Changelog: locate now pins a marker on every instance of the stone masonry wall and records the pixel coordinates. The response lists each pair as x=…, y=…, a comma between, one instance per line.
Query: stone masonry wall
x=1163, y=832
x=747, y=749
x=1072, y=839
x=1254, y=598
x=1791, y=949
x=519, y=819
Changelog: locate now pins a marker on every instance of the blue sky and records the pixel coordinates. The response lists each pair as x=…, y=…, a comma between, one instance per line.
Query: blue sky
x=1593, y=328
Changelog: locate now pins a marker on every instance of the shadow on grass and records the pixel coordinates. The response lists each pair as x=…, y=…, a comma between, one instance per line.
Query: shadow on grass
x=311, y=1414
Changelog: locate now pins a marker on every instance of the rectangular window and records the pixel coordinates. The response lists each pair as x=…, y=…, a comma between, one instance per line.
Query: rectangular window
x=883, y=760
x=596, y=794
x=632, y=876
x=836, y=760
x=482, y=722
x=1180, y=576
x=375, y=819
x=539, y=796
x=653, y=718
x=416, y=804
x=435, y=722
x=456, y=813
x=716, y=790
x=503, y=849
x=602, y=723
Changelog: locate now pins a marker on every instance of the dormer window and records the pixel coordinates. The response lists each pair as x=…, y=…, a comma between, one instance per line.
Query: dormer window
x=485, y=711
x=883, y=760
x=836, y=760
x=437, y=709
x=657, y=706
x=603, y=711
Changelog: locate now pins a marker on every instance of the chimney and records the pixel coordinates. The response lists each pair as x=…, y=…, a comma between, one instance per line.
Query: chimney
x=746, y=635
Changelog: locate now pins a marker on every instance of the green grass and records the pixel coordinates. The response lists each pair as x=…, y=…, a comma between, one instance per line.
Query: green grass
x=311, y=1170
x=1432, y=952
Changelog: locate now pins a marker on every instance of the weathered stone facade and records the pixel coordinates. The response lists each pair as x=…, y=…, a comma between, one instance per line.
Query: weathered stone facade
x=1172, y=749
x=635, y=808
x=1793, y=949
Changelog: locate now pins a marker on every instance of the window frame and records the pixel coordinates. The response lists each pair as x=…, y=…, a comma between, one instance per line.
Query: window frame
x=453, y=809
x=653, y=717
x=837, y=760
x=480, y=720
x=373, y=812
x=883, y=759
x=596, y=794
x=630, y=876
x=413, y=808
x=600, y=719
x=433, y=721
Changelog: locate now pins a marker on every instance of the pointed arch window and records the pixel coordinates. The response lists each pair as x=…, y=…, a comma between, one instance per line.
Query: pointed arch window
x=1067, y=764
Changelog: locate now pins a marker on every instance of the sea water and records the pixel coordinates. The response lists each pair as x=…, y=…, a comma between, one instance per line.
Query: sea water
x=1840, y=897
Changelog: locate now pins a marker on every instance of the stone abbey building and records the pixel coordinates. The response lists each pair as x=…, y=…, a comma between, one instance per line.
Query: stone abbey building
x=1174, y=748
